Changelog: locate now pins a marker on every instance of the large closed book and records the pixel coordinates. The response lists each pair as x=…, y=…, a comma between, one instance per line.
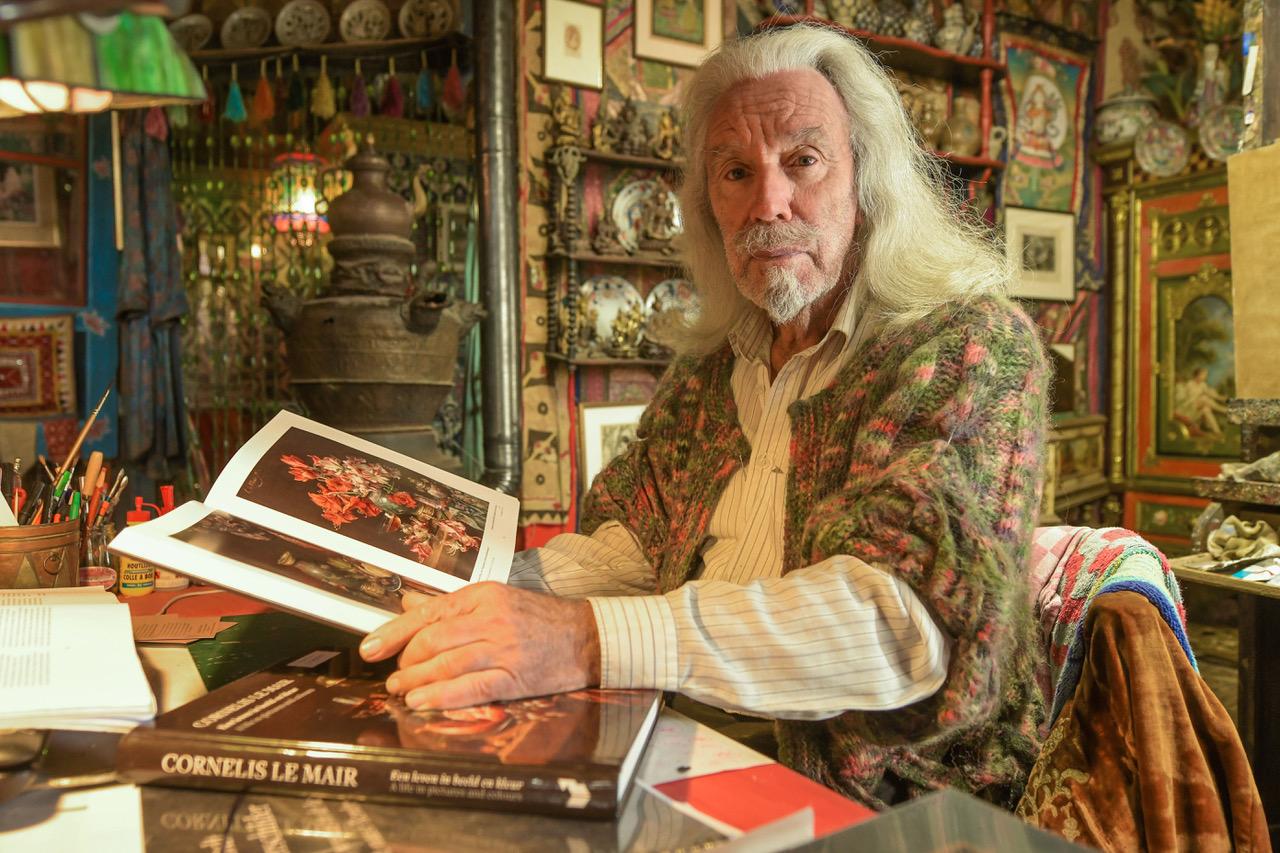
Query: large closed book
x=325, y=724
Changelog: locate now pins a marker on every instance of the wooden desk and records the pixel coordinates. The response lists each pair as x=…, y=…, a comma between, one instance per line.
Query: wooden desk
x=1259, y=671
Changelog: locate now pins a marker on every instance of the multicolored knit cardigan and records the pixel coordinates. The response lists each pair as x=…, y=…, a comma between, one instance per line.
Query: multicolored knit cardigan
x=924, y=458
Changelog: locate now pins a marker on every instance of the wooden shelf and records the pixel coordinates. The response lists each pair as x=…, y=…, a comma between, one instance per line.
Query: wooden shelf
x=353, y=50
x=907, y=55
x=632, y=160
x=976, y=163
x=1249, y=491
x=1186, y=569
x=606, y=361
x=639, y=260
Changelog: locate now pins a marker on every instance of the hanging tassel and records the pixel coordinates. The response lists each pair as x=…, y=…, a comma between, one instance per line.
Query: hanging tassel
x=423, y=95
x=358, y=106
x=392, y=94
x=179, y=117
x=323, y=104
x=209, y=108
x=295, y=99
x=234, y=109
x=155, y=124
x=454, y=96
x=280, y=91
x=264, y=101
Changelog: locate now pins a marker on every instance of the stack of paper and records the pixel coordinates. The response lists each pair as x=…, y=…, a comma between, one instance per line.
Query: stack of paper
x=67, y=661
x=167, y=628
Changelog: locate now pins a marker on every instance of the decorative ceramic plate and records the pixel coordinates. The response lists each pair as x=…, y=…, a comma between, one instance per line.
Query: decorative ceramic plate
x=426, y=19
x=632, y=204
x=604, y=297
x=248, y=26
x=302, y=22
x=672, y=293
x=191, y=32
x=1221, y=131
x=365, y=20
x=1162, y=148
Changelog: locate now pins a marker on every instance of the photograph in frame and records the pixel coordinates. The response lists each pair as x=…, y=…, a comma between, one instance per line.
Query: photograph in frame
x=28, y=207
x=604, y=432
x=681, y=32
x=1041, y=246
x=573, y=44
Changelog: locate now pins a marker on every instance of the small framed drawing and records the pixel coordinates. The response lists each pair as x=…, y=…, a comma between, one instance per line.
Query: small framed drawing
x=28, y=208
x=604, y=431
x=1040, y=244
x=573, y=43
x=681, y=32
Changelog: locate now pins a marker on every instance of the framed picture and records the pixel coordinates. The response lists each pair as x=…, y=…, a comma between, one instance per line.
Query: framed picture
x=1041, y=246
x=28, y=207
x=37, y=378
x=573, y=43
x=604, y=431
x=681, y=32
x=1181, y=357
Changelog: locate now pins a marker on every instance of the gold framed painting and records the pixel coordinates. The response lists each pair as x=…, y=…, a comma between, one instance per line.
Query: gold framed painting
x=573, y=44
x=681, y=32
x=604, y=431
x=28, y=205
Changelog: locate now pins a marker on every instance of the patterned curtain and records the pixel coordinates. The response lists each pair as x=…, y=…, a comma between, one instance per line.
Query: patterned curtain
x=152, y=302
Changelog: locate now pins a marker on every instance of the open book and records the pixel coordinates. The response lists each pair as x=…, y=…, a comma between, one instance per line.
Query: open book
x=314, y=520
x=67, y=661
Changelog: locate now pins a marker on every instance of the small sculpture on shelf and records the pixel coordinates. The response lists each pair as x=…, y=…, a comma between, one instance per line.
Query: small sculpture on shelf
x=920, y=25
x=625, y=333
x=606, y=241
x=633, y=132
x=958, y=29
x=566, y=118
x=604, y=129
x=666, y=141
x=660, y=222
x=893, y=18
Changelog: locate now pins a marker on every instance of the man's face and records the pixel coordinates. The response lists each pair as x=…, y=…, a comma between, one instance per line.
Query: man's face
x=780, y=178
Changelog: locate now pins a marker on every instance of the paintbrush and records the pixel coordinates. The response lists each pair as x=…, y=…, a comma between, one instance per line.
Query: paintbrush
x=84, y=431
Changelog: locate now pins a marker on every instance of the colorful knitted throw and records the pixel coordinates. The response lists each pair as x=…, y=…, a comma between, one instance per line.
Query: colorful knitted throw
x=1109, y=559
x=924, y=458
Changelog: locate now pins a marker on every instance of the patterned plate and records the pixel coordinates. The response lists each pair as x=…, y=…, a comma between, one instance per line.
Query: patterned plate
x=249, y=26
x=302, y=22
x=1162, y=148
x=191, y=32
x=603, y=297
x=426, y=19
x=365, y=20
x=672, y=293
x=1221, y=131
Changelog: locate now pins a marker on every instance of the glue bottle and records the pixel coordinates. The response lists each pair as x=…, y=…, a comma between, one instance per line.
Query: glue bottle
x=136, y=577
x=165, y=579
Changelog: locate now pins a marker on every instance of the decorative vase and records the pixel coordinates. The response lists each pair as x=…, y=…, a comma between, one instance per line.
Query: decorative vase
x=958, y=29
x=893, y=18
x=963, y=137
x=1121, y=117
x=919, y=25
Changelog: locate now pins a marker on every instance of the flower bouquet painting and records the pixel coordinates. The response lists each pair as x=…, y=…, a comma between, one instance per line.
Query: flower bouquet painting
x=378, y=502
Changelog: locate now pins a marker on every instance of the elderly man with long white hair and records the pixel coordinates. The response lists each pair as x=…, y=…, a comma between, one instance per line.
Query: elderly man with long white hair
x=818, y=539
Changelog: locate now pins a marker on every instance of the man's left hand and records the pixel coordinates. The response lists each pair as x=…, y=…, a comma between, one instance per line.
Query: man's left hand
x=487, y=642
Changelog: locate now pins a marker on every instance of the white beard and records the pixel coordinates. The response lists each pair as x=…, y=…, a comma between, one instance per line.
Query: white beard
x=784, y=298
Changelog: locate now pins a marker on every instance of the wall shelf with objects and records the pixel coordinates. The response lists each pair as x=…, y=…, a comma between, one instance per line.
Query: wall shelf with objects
x=438, y=50
x=637, y=260
x=604, y=361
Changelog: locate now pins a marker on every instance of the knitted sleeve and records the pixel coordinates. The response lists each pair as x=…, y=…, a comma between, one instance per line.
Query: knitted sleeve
x=944, y=491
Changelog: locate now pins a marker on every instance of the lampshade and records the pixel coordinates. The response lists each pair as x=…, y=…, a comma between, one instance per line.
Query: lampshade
x=87, y=63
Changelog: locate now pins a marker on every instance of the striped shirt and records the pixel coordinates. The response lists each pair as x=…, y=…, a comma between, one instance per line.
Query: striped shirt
x=835, y=636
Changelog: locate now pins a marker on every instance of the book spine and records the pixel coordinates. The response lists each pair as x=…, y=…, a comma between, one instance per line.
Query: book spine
x=147, y=756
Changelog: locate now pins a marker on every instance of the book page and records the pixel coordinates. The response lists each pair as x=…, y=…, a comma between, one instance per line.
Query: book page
x=291, y=573
x=68, y=655
x=375, y=505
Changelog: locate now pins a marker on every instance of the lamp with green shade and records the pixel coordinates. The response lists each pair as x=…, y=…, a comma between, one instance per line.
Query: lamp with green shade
x=85, y=63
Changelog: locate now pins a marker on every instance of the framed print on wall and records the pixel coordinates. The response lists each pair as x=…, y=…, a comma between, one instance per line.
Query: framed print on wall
x=681, y=32
x=573, y=43
x=28, y=207
x=1041, y=246
x=604, y=431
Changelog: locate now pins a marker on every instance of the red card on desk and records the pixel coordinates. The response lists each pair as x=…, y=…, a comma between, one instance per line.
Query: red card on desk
x=752, y=797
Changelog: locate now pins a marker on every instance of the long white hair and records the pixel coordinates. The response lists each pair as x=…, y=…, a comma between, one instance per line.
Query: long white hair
x=919, y=250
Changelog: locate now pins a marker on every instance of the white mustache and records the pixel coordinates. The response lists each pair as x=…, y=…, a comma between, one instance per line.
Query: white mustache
x=768, y=237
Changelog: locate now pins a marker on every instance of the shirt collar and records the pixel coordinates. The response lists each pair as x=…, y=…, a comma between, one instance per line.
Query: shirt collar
x=752, y=335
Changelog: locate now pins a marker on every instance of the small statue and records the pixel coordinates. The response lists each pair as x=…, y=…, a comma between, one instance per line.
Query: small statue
x=920, y=25
x=633, y=133
x=893, y=18
x=660, y=222
x=566, y=118
x=666, y=141
x=958, y=28
x=604, y=130
x=625, y=332
x=607, y=240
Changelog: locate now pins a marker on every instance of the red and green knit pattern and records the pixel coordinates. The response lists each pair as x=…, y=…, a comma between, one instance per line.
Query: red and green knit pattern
x=924, y=459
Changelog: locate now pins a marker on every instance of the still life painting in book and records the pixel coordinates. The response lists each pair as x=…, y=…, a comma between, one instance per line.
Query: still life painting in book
x=321, y=481
x=292, y=558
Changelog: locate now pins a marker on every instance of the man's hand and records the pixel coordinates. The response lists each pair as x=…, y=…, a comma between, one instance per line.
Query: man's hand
x=487, y=642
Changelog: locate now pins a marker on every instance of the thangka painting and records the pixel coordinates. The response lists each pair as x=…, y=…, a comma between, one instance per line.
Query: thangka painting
x=37, y=377
x=1045, y=95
